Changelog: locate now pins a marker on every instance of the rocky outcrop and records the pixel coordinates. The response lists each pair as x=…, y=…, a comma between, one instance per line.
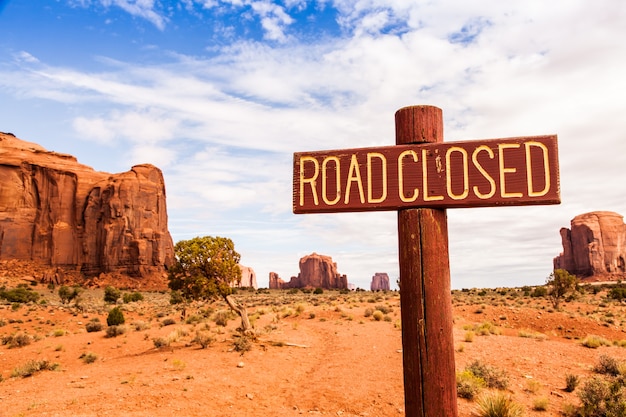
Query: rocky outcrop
x=594, y=246
x=55, y=211
x=248, y=278
x=275, y=282
x=316, y=271
x=380, y=282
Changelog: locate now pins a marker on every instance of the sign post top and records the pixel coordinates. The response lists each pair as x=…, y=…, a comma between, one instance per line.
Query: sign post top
x=480, y=173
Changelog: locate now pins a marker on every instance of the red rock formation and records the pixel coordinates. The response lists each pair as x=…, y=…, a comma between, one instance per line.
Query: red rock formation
x=380, y=282
x=595, y=245
x=55, y=211
x=316, y=271
x=248, y=278
x=276, y=283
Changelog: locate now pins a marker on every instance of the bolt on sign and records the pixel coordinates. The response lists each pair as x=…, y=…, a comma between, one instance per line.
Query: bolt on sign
x=481, y=173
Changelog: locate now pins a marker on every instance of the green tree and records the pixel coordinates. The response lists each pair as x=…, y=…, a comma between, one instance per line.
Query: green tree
x=111, y=294
x=205, y=269
x=559, y=283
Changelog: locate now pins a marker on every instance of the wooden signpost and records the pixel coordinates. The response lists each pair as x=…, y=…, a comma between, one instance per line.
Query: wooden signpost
x=420, y=177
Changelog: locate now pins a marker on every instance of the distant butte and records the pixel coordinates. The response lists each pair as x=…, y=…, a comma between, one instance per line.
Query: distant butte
x=58, y=213
x=594, y=248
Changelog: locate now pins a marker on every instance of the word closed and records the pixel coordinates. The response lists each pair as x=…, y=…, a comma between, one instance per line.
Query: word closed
x=512, y=171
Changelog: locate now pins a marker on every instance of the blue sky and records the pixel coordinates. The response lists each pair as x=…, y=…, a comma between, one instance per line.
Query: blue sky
x=220, y=94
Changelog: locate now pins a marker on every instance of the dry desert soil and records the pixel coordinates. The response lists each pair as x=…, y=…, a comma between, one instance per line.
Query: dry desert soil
x=316, y=354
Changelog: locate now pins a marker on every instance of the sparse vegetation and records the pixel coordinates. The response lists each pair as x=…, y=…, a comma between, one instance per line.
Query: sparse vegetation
x=111, y=294
x=498, y=405
x=115, y=317
x=32, y=367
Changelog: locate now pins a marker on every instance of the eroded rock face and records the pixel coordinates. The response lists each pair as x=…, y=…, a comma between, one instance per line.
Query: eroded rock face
x=55, y=211
x=316, y=271
x=594, y=246
x=248, y=277
x=380, y=282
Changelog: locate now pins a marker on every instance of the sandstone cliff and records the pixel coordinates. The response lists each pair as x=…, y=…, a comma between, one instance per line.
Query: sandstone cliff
x=594, y=246
x=55, y=211
x=380, y=282
x=316, y=271
x=248, y=278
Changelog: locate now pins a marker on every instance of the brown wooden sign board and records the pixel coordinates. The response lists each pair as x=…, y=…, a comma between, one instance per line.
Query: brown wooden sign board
x=478, y=173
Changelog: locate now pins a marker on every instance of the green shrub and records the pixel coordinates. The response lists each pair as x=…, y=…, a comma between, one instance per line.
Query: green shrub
x=94, y=325
x=115, y=317
x=493, y=377
x=19, y=295
x=592, y=397
x=618, y=293
x=132, y=297
x=539, y=292
x=498, y=405
x=468, y=385
x=318, y=290
x=176, y=297
x=67, y=294
x=111, y=294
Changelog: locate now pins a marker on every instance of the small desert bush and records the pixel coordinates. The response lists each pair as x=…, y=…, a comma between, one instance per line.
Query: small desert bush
x=571, y=382
x=384, y=309
x=168, y=321
x=115, y=317
x=378, y=315
x=594, y=342
x=242, y=343
x=468, y=385
x=221, y=318
x=204, y=339
x=94, y=325
x=141, y=325
x=88, y=357
x=601, y=398
x=16, y=341
x=607, y=365
x=19, y=295
x=114, y=331
x=67, y=294
x=368, y=312
x=132, y=297
x=498, y=405
x=493, y=377
x=540, y=404
x=111, y=294
x=469, y=336
x=160, y=342
x=32, y=367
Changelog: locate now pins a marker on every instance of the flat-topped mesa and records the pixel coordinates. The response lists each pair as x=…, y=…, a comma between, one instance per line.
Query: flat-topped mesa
x=316, y=271
x=595, y=246
x=380, y=282
x=55, y=211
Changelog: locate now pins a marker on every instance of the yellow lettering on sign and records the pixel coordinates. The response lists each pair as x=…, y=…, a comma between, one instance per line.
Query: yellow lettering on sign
x=481, y=169
x=425, y=179
x=337, y=180
x=383, y=161
x=529, y=171
x=504, y=170
x=449, y=173
x=354, y=175
x=416, y=191
x=310, y=181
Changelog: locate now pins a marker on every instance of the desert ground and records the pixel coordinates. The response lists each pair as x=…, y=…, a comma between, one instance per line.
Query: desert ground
x=333, y=354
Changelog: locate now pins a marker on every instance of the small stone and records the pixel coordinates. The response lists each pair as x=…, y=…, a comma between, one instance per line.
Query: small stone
x=240, y=365
x=250, y=396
